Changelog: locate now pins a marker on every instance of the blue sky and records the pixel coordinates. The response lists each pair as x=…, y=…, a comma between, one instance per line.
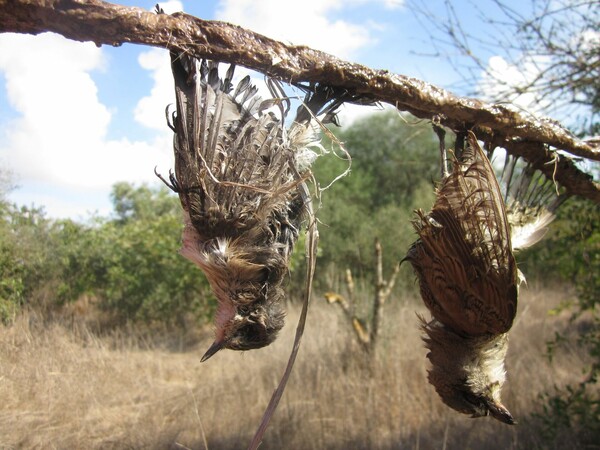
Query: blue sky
x=75, y=119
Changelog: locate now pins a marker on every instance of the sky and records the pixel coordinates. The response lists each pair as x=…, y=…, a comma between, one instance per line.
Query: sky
x=76, y=118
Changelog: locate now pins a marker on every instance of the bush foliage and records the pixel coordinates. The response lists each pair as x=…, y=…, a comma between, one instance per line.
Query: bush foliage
x=129, y=262
x=571, y=253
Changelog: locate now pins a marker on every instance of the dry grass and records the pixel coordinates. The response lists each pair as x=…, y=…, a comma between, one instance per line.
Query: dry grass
x=63, y=387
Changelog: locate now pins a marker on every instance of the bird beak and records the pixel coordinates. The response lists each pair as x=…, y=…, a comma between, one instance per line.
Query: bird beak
x=499, y=412
x=214, y=348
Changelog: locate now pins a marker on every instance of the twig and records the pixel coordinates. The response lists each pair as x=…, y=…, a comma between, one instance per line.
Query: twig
x=383, y=289
x=357, y=325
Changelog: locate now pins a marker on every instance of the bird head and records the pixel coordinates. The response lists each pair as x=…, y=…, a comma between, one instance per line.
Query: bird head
x=468, y=372
x=248, y=329
x=477, y=400
x=247, y=282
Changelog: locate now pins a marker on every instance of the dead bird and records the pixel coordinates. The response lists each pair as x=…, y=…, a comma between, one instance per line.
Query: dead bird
x=469, y=280
x=241, y=175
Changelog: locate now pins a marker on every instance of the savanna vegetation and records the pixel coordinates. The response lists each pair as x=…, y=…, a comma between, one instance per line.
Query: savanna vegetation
x=104, y=324
x=127, y=263
x=64, y=386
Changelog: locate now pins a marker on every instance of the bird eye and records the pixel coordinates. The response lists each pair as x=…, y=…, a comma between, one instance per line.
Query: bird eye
x=478, y=408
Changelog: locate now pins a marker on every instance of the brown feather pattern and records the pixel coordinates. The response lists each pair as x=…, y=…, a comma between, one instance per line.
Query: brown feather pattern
x=243, y=196
x=468, y=279
x=463, y=259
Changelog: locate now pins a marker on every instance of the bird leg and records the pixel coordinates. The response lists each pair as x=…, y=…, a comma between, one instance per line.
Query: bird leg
x=172, y=183
x=441, y=134
x=459, y=144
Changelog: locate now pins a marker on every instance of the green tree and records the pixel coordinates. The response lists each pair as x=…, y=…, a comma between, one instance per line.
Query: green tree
x=142, y=276
x=11, y=284
x=28, y=264
x=11, y=267
x=142, y=203
x=130, y=262
x=394, y=161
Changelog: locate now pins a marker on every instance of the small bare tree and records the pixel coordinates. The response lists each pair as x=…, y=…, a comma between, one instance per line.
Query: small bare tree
x=555, y=45
x=366, y=332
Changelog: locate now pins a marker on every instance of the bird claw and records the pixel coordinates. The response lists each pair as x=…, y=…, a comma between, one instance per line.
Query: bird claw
x=172, y=183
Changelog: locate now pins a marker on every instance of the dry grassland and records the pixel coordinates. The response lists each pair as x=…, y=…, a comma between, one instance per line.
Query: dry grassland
x=63, y=387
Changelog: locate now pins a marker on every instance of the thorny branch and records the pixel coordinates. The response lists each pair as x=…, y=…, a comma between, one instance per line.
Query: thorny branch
x=106, y=23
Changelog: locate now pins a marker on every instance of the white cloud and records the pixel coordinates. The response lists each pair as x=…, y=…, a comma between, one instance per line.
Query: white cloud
x=350, y=113
x=60, y=135
x=502, y=79
x=589, y=39
x=171, y=6
x=150, y=110
x=302, y=23
x=393, y=4
x=524, y=80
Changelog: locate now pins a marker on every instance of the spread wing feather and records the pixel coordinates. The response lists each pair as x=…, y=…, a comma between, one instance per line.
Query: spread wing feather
x=240, y=174
x=531, y=199
x=243, y=198
x=463, y=259
x=232, y=165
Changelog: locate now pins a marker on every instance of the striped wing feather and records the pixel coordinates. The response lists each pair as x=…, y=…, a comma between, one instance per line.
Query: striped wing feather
x=464, y=260
x=232, y=167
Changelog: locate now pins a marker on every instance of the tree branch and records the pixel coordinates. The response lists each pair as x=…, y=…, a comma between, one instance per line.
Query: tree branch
x=106, y=23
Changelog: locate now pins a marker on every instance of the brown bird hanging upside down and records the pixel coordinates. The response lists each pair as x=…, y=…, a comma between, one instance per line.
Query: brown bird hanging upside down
x=240, y=175
x=469, y=279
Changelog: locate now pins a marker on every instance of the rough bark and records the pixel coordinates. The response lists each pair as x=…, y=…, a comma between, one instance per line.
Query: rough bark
x=106, y=23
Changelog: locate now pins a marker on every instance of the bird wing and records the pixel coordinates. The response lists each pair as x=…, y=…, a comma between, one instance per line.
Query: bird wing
x=531, y=199
x=240, y=174
x=528, y=226
x=464, y=259
x=232, y=163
